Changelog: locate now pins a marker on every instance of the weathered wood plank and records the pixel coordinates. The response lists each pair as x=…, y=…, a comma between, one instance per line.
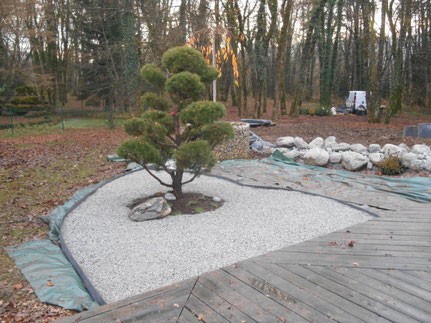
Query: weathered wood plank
x=356, y=250
x=280, y=302
x=424, y=275
x=202, y=311
x=404, y=291
x=150, y=301
x=408, y=278
x=228, y=310
x=406, y=312
x=344, y=298
x=276, y=284
x=347, y=260
x=247, y=299
x=187, y=317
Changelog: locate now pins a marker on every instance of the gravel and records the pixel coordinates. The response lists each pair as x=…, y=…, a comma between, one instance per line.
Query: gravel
x=124, y=258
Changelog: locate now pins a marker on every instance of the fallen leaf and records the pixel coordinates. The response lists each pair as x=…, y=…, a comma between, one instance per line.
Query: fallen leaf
x=200, y=317
x=49, y=283
x=176, y=305
x=355, y=263
x=17, y=286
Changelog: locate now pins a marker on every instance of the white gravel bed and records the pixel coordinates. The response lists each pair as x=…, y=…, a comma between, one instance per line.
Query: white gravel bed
x=124, y=258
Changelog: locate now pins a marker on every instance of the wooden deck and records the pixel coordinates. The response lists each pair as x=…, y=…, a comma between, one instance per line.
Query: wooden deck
x=384, y=275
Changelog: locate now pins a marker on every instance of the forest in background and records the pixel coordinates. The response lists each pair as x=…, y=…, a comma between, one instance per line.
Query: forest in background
x=266, y=50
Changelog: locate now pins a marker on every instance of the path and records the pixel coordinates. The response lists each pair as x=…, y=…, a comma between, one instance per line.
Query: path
x=375, y=271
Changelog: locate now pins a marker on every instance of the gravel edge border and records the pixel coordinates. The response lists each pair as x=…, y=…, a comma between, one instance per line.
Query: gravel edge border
x=87, y=283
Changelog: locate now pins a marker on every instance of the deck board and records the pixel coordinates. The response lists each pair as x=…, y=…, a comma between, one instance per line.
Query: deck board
x=385, y=276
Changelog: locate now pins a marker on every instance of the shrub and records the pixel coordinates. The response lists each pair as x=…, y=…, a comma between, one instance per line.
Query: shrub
x=186, y=131
x=391, y=165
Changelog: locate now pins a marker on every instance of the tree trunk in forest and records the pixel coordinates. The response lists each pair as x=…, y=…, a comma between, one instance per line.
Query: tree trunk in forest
x=306, y=54
x=280, y=61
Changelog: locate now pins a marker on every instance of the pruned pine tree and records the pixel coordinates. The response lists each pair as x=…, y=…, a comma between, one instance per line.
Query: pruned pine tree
x=183, y=129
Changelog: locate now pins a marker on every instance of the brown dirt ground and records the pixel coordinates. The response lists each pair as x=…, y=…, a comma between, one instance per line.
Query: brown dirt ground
x=347, y=128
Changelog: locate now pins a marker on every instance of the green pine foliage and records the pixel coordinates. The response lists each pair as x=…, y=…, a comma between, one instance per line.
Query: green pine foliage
x=185, y=129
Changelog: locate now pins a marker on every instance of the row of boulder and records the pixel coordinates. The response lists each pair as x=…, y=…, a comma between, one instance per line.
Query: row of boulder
x=321, y=152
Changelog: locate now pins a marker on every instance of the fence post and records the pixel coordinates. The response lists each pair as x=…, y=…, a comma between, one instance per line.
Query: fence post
x=11, y=122
x=62, y=117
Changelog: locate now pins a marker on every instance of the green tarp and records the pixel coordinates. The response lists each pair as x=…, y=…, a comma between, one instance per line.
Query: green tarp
x=44, y=265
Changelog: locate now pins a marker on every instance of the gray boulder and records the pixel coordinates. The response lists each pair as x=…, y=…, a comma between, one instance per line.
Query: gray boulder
x=358, y=148
x=302, y=153
x=394, y=150
x=170, y=197
x=411, y=160
x=316, y=157
x=285, y=141
x=374, y=148
x=331, y=140
x=292, y=154
x=341, y=147
x=421, y=149
x=335, y=158
x=283, y=150
x=317, y=143
x=376, y=158
x=216, y=199
x=369, y=165
x=404, y=146
x=300, y=143
x=353, y=161
x=427, y=164
x=155, y=208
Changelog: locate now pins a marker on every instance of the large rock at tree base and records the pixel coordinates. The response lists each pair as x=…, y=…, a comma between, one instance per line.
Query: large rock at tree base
x=341, y=147
x=353, y=161
x=317, y=143
x=376, y=158
x=374, y=148
x=421, y=149
x=154, y=208
x=393, y=150
x=358, y=148
x=316, y=157
x=335, y=158
x=285, y=141
x=331, y=140
x=300, y=143
x=412, y=161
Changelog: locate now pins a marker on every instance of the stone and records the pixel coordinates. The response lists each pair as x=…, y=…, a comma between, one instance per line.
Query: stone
x=335, y=158
x=283, y=150
x=404, y=146
x=341, y=147
x=358, y=148
x=155, y=208
x=316, y=157
x=331, y=140
x=421, y=149
x=411, y=131
x=132, y=166
x=427, y=164
x=424, y=130
x=268, y=150
x=292, y=154
x=329, y=150
x=353, y=161
x=376, y=158
x=302, y=153
x=374, y=148
x=216, y=199
x=411, y=160
x=394, y=150
x=170, y=197
x=369, y=165
x=300, y=143
x=317, y=143
x=285, y=141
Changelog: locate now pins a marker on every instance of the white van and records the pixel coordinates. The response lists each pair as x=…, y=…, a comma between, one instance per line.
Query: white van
x=357, y=102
